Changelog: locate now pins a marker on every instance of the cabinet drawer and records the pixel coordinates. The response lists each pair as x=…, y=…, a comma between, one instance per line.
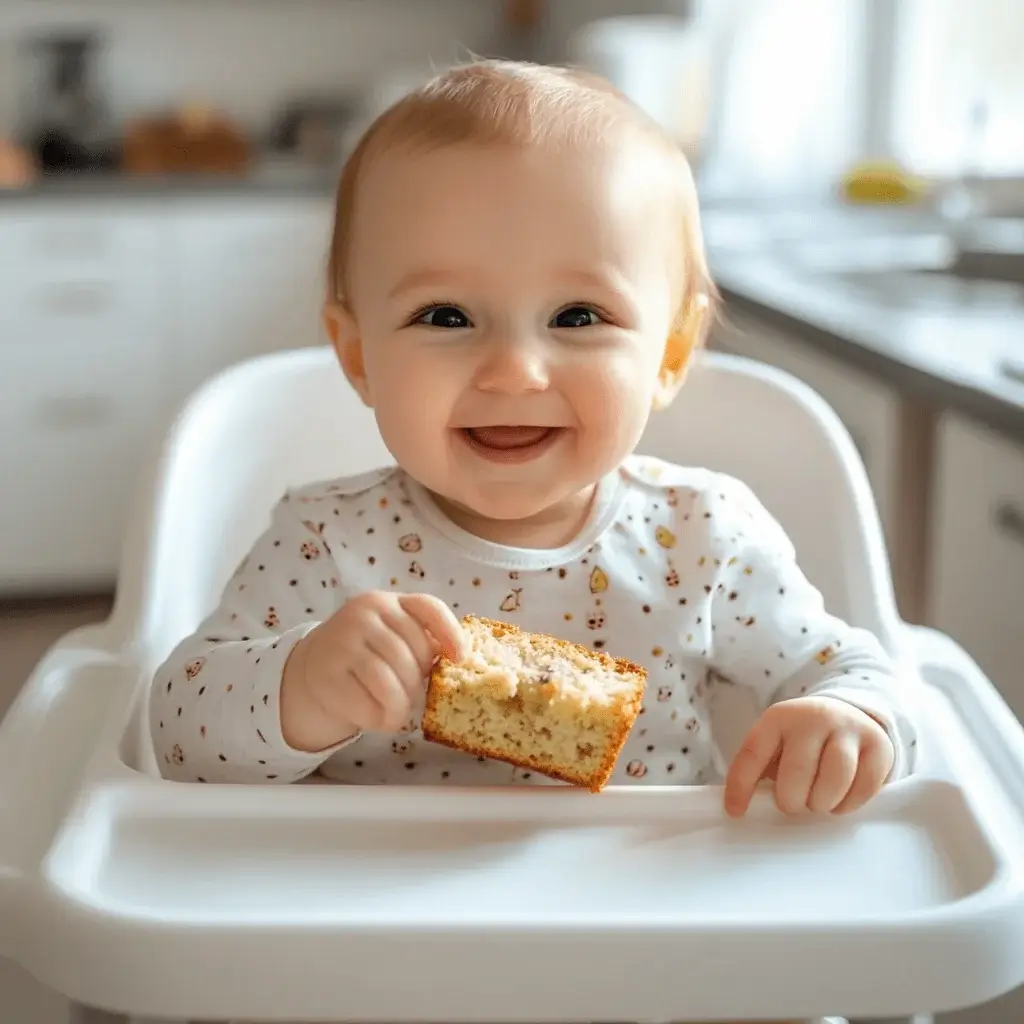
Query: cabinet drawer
x=978, y=550
x=74, y=278
x=75, y=432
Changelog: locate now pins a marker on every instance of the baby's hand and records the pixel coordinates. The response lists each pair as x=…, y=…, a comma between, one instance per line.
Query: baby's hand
x=824, y=754
x=364, y=667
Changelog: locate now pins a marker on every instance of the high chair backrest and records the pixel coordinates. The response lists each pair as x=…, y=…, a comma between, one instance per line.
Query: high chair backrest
x=291, y=418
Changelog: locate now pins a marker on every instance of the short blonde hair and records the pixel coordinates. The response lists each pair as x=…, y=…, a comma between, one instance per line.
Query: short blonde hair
x=495, y=102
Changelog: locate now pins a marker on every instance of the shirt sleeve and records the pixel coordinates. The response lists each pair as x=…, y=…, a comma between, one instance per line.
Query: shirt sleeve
x=771, y=630
x=214, y=706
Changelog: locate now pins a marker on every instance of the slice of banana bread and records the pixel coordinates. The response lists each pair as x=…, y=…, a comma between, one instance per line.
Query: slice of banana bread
x=536, y=702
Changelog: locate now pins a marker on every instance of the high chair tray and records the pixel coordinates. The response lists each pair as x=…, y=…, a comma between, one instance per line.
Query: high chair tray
x=142, y=896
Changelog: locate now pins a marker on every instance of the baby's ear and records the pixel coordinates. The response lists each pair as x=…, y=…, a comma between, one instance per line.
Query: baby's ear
x=341, y=328
x=674, y=365
x=679, y=349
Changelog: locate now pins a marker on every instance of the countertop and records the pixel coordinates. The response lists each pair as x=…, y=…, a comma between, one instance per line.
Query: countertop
x=951, y=343
x=269, y=176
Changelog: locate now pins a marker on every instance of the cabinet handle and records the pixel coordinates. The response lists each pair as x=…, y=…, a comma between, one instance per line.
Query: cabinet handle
x=76, y=298
x=1010, y=519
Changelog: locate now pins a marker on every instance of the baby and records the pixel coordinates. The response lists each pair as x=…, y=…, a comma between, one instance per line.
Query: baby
x=517, y=279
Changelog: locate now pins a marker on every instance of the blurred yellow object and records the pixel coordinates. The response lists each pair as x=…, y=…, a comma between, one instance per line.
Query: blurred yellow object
x=880, y=183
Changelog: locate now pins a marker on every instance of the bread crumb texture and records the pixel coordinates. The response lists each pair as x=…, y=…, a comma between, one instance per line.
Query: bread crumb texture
x=535, y=702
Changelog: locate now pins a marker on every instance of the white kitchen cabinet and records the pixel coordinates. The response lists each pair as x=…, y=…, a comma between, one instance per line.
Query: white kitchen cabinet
x=252, y=280
x=111, y=314
x=977, y=559
x=83, y=340
x=869, y=409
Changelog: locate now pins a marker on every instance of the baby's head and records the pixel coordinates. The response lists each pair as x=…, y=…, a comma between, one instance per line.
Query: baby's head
x=517, y=278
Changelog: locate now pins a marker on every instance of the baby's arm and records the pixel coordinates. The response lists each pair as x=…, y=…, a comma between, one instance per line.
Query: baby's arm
x=215, y=702
x=772, y=632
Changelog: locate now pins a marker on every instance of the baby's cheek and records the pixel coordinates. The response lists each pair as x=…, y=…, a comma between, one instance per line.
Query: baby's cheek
x=611, y=398
x=413, y=400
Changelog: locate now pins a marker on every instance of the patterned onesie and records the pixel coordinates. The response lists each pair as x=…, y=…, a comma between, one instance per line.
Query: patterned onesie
x=680, y=570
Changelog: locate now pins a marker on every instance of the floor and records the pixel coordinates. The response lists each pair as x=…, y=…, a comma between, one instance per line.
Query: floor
x=26, y=630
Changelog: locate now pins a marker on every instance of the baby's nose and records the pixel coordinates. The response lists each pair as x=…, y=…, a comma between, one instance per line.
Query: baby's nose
x=513, y=366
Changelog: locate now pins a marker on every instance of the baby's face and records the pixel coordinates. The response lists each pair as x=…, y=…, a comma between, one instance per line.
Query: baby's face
x=511, y=309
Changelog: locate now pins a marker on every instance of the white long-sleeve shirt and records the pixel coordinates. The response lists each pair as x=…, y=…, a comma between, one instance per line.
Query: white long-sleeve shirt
x=680, y=570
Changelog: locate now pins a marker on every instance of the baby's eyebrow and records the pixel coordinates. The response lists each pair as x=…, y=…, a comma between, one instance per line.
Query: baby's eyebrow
x=430, y=278
x=606, y=280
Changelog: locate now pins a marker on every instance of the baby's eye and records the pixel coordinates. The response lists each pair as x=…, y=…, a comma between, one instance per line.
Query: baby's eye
x=576, y=316
x=447, y=317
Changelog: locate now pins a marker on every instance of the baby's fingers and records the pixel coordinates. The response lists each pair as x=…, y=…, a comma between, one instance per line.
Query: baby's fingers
x=836, y=772
x=439, y=621
x=750, y=764
x=391, y=706
x=873, y=767
x=798, y=767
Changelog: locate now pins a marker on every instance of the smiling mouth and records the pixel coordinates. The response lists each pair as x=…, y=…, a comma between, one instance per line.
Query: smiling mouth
x=510, y=443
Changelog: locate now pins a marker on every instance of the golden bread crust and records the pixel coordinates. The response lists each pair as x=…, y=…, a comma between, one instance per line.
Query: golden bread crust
x=618, y=716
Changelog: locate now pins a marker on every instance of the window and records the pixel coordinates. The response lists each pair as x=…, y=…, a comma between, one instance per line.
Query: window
x=789, y=114
x=958, y=87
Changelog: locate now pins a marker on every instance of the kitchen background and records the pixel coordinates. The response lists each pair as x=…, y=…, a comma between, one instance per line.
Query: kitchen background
x=166, y=171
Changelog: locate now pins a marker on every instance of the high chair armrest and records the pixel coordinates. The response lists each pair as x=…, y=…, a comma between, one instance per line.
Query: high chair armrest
x=46, y=741
x=945, y=665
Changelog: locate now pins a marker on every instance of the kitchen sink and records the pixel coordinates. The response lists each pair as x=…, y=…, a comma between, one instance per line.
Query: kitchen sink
x=933, y=290
x=927, y=271
x=985, y=265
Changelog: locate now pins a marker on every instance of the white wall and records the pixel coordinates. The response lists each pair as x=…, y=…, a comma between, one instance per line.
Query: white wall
x=248, y=55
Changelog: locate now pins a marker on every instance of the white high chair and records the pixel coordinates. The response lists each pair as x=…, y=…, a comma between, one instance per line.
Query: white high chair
x=158, y=899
